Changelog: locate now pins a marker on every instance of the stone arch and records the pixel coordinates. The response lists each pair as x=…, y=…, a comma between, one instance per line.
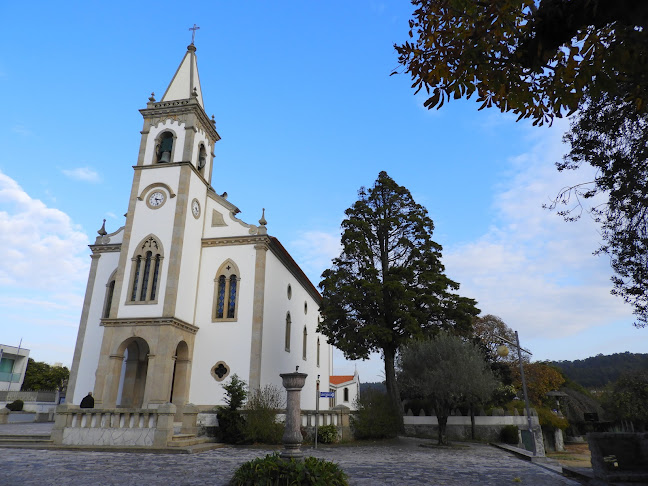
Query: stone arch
x=129, y=391
x=180, y=377
x=165, y=144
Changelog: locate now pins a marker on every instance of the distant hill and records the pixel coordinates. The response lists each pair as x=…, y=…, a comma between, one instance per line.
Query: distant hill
x=599, y=370
x=378, y=386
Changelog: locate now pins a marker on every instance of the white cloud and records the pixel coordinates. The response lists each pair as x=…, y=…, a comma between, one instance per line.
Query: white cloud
x=314, y=251
x=531, y=268
x=40, y=247
x=82, y=174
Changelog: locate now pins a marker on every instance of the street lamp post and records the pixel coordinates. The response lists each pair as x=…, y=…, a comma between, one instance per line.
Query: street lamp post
x=504, y=352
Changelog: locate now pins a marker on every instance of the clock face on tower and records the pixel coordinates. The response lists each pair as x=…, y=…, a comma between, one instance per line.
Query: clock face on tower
x=156, y=199
x=195, y=208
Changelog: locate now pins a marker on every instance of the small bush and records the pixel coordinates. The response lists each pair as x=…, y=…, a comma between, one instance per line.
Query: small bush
x=272, y=470
x=261, y=424
x=15, y=406
x=230, y=421
x=375, y=418
x=327, y=434
x=509, y=434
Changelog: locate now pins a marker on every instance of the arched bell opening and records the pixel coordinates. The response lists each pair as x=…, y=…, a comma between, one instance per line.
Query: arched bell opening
x=202, y=159
x=164, y=148
x=180, y=378
x=132, y=381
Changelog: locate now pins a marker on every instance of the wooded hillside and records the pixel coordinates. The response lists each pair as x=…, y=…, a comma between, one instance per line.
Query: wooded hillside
x=598, y=371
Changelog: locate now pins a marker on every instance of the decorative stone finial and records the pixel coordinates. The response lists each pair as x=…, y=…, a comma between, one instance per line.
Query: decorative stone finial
x=102, y=231
x=213, y=120
x=152, y=97
x=263, y=221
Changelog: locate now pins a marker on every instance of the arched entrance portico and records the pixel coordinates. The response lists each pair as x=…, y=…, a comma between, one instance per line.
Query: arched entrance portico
x=144, y=363
x=132, y=381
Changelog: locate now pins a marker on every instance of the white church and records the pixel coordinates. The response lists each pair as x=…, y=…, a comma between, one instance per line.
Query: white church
x=186, y=294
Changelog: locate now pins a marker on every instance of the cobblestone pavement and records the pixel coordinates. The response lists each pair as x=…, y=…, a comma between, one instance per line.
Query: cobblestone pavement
x=400, y=462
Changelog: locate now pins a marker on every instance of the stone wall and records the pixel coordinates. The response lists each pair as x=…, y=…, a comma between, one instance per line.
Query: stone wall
x=487, y=428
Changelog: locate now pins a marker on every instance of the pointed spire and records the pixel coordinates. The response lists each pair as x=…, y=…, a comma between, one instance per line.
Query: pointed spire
x=185, y=83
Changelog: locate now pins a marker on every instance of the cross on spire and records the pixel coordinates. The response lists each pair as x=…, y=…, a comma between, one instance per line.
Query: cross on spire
x=193, y=33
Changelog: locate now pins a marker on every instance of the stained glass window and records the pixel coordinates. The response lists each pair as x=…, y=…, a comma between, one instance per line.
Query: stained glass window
x=231, y=304
x=221, y=297
x=136, y=277
x=145, y=279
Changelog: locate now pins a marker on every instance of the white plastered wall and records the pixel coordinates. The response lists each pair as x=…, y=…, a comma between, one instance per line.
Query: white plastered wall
x=275, y=359
x=146, y=221
x=191, y=251
x=94, y=332
x=227, y=341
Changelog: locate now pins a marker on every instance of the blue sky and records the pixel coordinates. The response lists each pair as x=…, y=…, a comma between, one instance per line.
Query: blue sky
x=308, y=113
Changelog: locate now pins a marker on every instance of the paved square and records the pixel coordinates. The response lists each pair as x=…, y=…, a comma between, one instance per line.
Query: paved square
x=401, y=462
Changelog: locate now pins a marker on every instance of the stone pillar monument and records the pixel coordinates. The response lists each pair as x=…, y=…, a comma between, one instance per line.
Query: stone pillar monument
x=292, y=438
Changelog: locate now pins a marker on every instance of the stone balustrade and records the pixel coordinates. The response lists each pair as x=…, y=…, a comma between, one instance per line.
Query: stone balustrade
x=115, y=427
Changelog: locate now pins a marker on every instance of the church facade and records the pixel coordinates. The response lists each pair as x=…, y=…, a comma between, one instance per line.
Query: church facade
x=186, y=294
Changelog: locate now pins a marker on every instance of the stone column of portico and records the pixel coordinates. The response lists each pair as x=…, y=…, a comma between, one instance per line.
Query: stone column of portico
x=107, y=381
x=292, y=438
x=158, y=379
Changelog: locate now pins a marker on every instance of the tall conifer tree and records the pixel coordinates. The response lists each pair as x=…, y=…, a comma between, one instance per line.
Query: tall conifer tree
x=388, y=285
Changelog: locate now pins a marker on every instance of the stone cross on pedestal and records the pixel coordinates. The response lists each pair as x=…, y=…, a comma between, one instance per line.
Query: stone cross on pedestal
x=292, y=438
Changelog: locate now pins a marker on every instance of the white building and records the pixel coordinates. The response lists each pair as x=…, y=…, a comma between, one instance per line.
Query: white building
x=185, y=294
x=346, y=389
x=13, y=364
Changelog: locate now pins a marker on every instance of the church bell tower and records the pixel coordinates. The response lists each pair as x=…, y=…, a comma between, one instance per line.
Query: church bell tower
x=149, y=329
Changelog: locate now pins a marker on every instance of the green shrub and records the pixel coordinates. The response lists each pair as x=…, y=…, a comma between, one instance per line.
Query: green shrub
x=509, y=434
x=327, y=434
x=376, y=417
x=272, y=470
x=15, y=406
x=548, y=418
x=261, y=424
x=230, y=421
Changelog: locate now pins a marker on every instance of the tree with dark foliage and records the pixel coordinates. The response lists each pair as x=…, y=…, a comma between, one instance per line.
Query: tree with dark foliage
x=612, y=136
x=388, y=286
x=536, y=59
x=543, y=59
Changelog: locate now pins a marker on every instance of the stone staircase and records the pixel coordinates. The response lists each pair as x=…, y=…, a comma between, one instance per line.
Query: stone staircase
x=25, y=441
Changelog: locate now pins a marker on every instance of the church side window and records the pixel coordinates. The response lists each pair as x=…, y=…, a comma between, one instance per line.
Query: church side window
x=346, y=394
x=226, y=289
x=145, y=275
x=110, y=291
x=288, y=326
x=304, y=343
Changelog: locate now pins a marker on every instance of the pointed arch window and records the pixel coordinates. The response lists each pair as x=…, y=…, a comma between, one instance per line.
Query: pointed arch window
x=110, y=292
x=145, y=273
x=226, y=289
x=304, y=343
x=288, y=326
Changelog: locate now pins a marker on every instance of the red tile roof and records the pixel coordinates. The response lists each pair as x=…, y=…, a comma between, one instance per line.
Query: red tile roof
x=339, y=379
